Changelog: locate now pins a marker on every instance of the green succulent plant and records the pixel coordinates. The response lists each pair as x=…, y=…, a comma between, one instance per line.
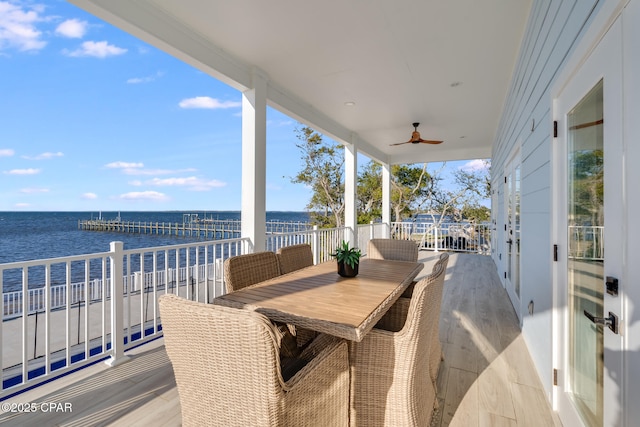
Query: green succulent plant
x=346, y=254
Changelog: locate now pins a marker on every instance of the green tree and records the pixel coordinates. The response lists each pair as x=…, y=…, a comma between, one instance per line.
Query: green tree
x=323, y=172
x=588, y=186
x=476, y=213
x=409, y=185
x=462, y=201
x=369, y=197
x=413, y=188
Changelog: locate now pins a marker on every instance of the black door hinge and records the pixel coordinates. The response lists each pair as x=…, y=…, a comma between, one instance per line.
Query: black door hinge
x=555, y=128
x=555, y=377
x=555, y=252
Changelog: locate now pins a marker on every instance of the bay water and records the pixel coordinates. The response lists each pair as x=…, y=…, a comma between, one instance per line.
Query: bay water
x=26, y=236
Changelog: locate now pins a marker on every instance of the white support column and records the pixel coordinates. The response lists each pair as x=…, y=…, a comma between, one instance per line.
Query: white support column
x=386, y=199
x=254, y=168
x=350, y=188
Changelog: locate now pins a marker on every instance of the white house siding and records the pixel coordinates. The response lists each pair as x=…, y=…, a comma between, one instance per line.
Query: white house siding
x=553, y=29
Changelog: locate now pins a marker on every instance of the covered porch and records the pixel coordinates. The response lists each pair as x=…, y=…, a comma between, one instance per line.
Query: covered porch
x=486, y=379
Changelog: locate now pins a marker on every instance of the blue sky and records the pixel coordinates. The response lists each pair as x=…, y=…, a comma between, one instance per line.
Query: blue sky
x=92, y=119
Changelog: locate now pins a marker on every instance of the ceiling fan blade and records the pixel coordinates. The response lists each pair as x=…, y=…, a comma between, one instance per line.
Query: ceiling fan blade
x=427, y=141
x=400, y=143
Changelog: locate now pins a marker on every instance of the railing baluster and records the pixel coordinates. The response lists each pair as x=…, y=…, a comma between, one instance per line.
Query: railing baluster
x=25, y=324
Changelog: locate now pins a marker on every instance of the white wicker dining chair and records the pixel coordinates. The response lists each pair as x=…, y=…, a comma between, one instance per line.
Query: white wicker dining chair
x=390, y=381
x=396, y=250
x=436, y=356
x=294, y=257
x=244, y=270
x=393, y=249
x=228, y=370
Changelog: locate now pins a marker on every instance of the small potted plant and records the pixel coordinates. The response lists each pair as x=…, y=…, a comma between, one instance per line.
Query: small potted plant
x=348, y=259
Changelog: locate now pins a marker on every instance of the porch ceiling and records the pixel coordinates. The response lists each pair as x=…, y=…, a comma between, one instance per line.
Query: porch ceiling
x=399, y=61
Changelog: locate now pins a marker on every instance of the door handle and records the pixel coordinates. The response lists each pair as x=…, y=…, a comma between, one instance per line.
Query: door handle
x=611, y=322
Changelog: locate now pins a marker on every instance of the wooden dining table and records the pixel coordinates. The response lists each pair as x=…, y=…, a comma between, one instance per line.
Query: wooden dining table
x=317, y=298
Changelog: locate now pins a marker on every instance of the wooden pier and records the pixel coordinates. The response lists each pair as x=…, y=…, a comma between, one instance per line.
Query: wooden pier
x=213, y=229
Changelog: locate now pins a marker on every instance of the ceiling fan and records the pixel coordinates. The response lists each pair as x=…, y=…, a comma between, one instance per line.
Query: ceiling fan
x=415, y=138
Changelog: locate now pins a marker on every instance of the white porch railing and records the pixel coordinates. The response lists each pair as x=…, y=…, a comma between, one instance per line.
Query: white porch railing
x=586, y=242
x=75, y=314
x=370, y=231
x=81, y=309
x=459, y=237
x=325, y=240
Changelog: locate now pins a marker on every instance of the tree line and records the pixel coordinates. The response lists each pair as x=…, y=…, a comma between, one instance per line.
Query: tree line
x=414, y=189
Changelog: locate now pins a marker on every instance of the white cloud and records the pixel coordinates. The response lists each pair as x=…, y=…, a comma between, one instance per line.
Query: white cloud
x=147, y=79
x=44, y=156
x=96, y=49
x=135, y=183
x=192, y=183
x=72, y=28
x=149, y=172
x=123, y=165
x=89, y=196
x=208, y=103
x=22, y=205
x=6, y=152
x=17, y=28
x=130, y=168
x=34, y=190
x=22, y=172
x=144, y=195
x=475, y=166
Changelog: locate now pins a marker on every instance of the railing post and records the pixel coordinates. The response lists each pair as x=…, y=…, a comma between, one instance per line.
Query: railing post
x=353, y=237
x=117, y=305
x=435, y=238
x=316, y=245
x=248, y=247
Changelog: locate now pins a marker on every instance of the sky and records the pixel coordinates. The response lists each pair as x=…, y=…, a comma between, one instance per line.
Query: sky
x=93, y=119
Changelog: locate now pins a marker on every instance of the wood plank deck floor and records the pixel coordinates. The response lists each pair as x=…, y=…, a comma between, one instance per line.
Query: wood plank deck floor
x=486, y=379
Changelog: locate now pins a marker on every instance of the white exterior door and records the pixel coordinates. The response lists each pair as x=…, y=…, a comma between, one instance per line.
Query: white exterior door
x=588, y=188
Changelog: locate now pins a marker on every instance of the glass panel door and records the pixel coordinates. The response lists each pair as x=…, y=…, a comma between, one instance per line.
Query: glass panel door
x=515, y=278
x=585, y=257
x=512, y=228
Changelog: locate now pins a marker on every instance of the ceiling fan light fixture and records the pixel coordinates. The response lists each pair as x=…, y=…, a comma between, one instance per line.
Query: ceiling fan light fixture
x=415, y=137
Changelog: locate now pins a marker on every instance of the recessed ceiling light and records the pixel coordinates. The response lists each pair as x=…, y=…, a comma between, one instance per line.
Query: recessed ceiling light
x=462, y=137
x=349, y=104
x=455, y=84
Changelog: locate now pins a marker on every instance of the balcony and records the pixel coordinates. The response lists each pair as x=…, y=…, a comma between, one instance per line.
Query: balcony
x=487, y=377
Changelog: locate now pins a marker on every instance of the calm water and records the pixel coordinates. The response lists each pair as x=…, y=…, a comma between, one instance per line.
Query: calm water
x=37, y=235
